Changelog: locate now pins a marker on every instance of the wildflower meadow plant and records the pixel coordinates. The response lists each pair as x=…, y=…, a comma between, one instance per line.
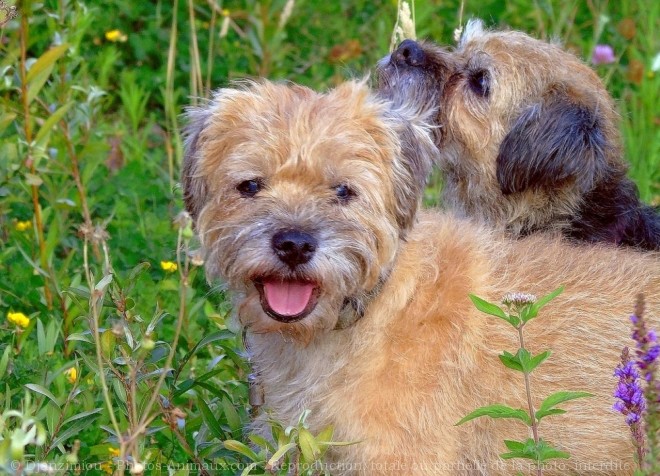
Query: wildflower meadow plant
x=520, y=308
x=638, y=392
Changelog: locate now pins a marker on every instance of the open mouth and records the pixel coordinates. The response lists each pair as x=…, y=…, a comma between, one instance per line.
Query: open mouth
x=286, y=300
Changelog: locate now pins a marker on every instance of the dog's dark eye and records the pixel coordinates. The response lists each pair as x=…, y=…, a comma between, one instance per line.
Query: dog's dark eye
x=249, y=188
x=344, y=192
x=479, y=82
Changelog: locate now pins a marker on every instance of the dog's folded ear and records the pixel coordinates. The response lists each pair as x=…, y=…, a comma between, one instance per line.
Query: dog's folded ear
x=555, y=141
x=418, y=153
x=194, y=187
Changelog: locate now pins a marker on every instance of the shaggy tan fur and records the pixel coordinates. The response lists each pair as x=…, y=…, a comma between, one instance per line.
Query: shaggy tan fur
x=421, y=356
x=527, y=135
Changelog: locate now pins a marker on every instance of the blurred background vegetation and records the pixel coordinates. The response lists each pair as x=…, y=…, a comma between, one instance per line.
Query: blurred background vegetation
x=100, y=288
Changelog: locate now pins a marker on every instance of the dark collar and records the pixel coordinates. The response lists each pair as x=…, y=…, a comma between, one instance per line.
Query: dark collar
x=354, y=307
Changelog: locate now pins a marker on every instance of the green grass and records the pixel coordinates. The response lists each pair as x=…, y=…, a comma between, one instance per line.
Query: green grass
x=90, y=150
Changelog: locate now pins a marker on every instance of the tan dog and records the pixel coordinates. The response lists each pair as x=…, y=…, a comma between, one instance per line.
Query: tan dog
x=357, y=307
x=528, y=136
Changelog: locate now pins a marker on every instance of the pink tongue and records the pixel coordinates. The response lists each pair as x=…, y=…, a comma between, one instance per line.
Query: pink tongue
x=288, y=298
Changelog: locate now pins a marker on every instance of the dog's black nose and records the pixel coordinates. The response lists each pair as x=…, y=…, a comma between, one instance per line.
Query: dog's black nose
x=294, y=247
x=409, y=53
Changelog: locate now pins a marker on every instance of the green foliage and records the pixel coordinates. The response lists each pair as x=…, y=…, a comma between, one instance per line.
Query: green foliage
x=291, y=447
x=521, y=309
x=90, y=150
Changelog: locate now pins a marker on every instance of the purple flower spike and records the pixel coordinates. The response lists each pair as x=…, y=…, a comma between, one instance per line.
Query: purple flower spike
x=603, y=54
x=631, y=402
x=646, y=340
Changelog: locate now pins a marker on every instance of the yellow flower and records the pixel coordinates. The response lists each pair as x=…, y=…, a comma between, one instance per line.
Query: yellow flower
x=226, y=12
x=168, y=266
x=18, y=318
x=113, y=451
x=71, y=375
x=115, y=35
x=23, y=225
x=106, y=467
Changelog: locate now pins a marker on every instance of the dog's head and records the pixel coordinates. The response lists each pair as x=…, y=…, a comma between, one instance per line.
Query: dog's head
x=300, y=199
x=515, y=114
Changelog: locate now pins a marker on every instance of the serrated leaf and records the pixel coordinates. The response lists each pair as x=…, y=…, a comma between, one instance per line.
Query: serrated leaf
x=510, y=361
x=490, y=309
x=210, y=419
x=538, y=360
x=546, y=453
x=557, y=398
x=553, y=411
x=497, y=411
x=238, y=447
x=513, y=445
x=533, y=310
x=308, y=447
x=41, y=390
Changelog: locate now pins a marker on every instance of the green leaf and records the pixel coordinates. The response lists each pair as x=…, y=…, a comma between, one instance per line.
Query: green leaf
x=261, y=442
x=532, y=310
x=233, y=420
x=103, y=284
x=4, y=361
x=520, y=449
x=78, y=416
x=308, y=447
x=41, y=69
x=510, y=361
x=491, y=309
x=41, y=390
x=553, y=411
x=135, y=274
x=73, y=430
x=46, y=60
x=278, y=455
x=497, y=411
x=555, y=399
x=513, y=445
x=219, y=335
x=210, y=419
x=80, y=336
x=249, y=468
x=546, y=452
x=238, y=447
x=42, y=137
x=6, y=119
x=538, y=360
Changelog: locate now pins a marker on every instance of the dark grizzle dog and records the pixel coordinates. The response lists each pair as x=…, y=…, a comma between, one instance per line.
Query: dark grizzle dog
x=527, y=134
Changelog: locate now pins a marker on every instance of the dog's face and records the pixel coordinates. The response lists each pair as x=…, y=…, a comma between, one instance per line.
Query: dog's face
x=300, y=199
x=515, y=114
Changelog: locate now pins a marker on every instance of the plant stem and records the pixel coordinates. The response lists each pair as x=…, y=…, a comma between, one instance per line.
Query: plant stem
x=183, y=292
x=528, y=389
x=93, y=301
x=29, y=161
